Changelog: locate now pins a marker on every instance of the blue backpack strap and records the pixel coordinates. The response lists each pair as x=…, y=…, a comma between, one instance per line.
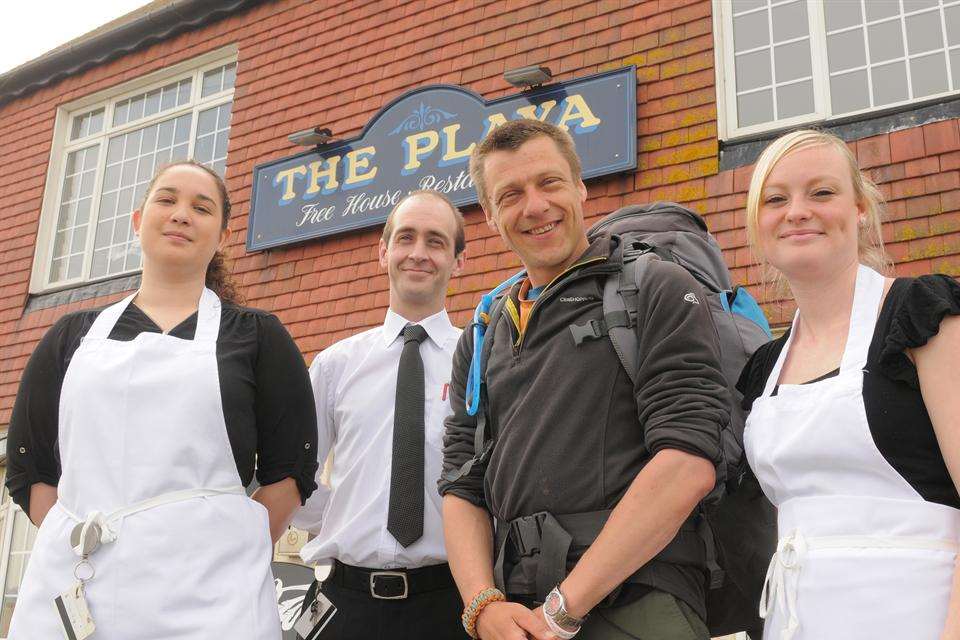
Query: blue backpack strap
x=485, y=319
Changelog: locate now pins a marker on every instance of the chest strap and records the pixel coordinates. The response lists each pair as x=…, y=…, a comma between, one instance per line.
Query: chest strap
x=539, y=545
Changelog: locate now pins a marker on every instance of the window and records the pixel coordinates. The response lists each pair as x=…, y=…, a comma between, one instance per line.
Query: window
x=109, y=154
x=17, y=535
x=785, y=62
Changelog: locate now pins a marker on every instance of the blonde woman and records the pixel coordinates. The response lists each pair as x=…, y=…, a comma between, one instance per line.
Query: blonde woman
x=855, y=426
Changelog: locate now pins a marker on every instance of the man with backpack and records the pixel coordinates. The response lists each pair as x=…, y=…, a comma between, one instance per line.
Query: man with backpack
x=593, y=480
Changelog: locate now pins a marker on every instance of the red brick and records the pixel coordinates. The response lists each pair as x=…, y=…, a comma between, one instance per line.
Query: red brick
x=939, y=137
x=906, y=144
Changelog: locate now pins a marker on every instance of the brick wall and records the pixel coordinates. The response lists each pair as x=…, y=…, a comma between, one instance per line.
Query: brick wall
x=306, y=63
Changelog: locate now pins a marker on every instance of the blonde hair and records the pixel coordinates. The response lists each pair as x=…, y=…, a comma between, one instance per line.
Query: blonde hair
x=869, y=235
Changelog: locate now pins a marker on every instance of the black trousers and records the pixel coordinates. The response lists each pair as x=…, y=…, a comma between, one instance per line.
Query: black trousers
x=433, y=615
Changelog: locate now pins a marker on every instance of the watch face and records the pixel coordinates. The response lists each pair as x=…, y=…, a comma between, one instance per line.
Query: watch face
x=552, y=604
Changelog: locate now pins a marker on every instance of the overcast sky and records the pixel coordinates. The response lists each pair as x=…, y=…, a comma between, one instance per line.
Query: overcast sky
x=30, y=28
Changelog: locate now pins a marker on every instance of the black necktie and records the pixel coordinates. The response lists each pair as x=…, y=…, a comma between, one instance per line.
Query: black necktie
x=405, y=520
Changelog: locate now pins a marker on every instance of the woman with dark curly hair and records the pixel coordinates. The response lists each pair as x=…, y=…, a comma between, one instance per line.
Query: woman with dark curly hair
x=136, y=429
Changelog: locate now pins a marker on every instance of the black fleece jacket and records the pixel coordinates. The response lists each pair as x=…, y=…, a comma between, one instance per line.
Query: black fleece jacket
x=572, y=432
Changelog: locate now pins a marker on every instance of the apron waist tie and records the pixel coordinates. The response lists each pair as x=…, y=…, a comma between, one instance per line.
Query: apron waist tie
x=108, y=525
x=783, y=574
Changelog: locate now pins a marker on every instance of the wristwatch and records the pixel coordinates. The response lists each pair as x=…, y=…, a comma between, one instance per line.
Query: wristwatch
x=558, y=620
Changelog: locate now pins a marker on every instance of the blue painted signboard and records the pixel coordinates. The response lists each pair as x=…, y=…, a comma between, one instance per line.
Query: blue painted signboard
x=423, y=140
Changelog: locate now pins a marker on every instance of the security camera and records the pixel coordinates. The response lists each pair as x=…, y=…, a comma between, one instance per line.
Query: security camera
x=527, y=76
x=312, y=137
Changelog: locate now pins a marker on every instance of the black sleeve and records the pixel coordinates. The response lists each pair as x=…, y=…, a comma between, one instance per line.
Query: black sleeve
x=32, y=439
x=460, y=428
x=753, y=378
x=917, y=314
x=682, y=397
x=286, y=415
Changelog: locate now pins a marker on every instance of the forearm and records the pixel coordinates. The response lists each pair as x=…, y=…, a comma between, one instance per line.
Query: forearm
x=468, y=534
x=42, y=498
x=660, y=499
x=281, y=500
x=951, y=629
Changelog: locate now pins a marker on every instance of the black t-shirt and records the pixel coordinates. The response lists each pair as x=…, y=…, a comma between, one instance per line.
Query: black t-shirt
x=264, y=387
x=911, y=314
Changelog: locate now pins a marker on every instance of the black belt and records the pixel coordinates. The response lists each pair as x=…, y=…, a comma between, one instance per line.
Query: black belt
x=391, y=584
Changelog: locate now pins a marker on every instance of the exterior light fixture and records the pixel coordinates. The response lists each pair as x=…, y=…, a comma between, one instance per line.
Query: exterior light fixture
x=527, y=77
x=313, y=137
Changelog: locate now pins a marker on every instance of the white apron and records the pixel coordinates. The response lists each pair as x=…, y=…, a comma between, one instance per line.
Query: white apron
x=861, y=555
x=145, y=454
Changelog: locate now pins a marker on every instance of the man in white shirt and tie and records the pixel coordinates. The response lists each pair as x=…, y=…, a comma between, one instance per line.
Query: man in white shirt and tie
x=382, y=397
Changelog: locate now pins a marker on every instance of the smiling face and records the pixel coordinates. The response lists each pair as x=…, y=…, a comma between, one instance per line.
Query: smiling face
x=536, y=203
x=181, y=223
x=419, y=256
x=808, y=216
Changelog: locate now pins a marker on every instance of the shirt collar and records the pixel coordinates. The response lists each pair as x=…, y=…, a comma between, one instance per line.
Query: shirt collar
x=438, y=327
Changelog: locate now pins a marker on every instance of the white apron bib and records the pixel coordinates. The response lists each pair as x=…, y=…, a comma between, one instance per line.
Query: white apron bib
x=861, y=555
x=145, y=454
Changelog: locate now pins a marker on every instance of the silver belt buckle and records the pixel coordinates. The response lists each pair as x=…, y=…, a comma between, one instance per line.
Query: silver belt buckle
x=388, y=574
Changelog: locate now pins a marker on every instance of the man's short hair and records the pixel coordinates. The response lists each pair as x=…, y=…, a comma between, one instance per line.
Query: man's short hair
x=510, y=137
x=459, y=237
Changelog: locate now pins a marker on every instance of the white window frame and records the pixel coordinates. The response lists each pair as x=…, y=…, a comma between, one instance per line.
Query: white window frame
x=62, y=146
x=727, y=128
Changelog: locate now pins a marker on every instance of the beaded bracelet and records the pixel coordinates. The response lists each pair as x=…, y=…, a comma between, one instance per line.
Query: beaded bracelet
x=472, y=611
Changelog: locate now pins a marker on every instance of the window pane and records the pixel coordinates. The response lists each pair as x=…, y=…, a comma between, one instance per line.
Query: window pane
x=165, y=137
x=795, y=99
x=845, y=50
x=790, y=21
x=120, y=113
x=183, y=96
x=745, y=5
x=889, y=84
x=929, y=75
x=75, y=265
x=915, y=5
x=100, y=261
x=168, y=98
x=114, y=149
x=750, y=31
x=792, y=61
x=212, y=81
x=203, y=149
x=223, y=117
x=886, y=41
x=955, y=67
x=207, y=122
x=924, y=32
x=842, y=14
x=230, y=75
x=952, y=15
x=753, y=70
x=152, y=103
x=877, y=9
x=182, y=129
x=754, y=108
x=136, y=108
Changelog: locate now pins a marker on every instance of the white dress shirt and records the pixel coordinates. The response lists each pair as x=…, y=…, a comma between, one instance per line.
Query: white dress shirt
x=355, y=385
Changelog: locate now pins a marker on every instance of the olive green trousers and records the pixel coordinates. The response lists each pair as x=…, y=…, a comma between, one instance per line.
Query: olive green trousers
x=655, y=616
